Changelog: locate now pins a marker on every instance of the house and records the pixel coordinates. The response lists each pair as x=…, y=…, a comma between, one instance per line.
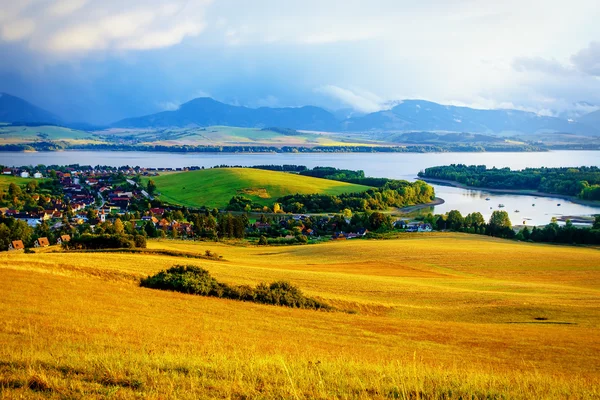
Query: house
x=424, y=228
x=6, y=171
x=24, y=174
x=16, y=245
x=38, y=175
x=262, y=225
x=157, y=211
x=63, y=239
x=42, y=242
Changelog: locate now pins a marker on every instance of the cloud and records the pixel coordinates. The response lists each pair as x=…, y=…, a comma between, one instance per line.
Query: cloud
x=588, y=60
x=18, y=29
x=80, y=26
x=363, y=102
x=539, y=64
x=168, y=105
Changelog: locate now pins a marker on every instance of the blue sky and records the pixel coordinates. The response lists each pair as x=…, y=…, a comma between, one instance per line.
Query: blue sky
x=100, y=61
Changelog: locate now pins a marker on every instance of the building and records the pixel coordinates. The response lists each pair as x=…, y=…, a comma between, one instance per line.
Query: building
x=38, y=175
x=6, y=171
x=63, y=239
x=24, y=174
x=16, y=245
x=42, y=242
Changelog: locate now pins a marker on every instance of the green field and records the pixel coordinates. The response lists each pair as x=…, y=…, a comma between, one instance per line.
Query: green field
x=215, y=187
x=426, y=316
x=28, y=134
x=6, y=180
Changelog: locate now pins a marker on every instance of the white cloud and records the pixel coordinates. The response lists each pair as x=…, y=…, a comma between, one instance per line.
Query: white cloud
x=18, y=30
x=363, y=102
x=69, y=27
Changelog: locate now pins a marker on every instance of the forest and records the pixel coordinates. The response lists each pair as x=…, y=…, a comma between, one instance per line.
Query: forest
x=582, y=182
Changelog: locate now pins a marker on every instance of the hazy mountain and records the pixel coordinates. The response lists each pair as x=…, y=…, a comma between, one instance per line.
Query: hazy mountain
x=14, y=109
x=422, y=115
x=206, y=111
x=592, y=120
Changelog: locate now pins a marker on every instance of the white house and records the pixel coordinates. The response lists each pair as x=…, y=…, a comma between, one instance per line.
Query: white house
x=24, y=174
x=38, y=175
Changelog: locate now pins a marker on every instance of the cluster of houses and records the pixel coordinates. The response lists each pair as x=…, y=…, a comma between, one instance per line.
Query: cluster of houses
x=22, y=173
x=40, y=242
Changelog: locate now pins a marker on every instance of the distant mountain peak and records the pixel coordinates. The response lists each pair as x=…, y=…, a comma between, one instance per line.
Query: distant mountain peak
x=15, y=109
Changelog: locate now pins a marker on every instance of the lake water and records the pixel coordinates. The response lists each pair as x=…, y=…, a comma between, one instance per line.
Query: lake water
x=390, y=165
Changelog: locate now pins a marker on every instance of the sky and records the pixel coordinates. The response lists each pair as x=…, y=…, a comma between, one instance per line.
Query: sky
x=100, y=61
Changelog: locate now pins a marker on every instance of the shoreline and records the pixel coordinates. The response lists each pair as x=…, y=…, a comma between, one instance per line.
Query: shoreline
x=574, y=199
x=408, y=209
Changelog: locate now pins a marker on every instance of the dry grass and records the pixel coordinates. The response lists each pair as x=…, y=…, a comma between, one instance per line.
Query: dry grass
x=438, y=316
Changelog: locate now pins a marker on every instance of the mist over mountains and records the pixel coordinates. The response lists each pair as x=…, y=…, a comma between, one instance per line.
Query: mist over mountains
x=406, y=116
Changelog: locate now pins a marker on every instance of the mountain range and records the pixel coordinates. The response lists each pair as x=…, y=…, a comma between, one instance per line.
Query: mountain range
x=406, y=116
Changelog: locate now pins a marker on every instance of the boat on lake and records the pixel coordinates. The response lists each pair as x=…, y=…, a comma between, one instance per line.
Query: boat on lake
x=500, y=205
x=517, y=211
x=487, y=199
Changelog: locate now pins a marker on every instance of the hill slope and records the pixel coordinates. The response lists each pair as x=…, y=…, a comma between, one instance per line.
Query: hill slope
x=438, y=315
x=15, y=109
x=215, y=187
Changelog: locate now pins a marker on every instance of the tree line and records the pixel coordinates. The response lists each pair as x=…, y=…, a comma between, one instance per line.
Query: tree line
x=583, y=182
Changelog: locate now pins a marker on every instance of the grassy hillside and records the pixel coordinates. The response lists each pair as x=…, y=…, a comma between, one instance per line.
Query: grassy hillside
x=28, y=134
x=6, y=180
x=435, y=316
x=215, y=187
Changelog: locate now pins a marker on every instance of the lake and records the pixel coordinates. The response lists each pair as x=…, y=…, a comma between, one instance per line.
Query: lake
x=390, y=165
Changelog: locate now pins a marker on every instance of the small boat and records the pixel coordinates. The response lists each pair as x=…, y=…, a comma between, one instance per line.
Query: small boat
x=487, y=199
x=517, y=211
x=491, y=208
x=558, y=205
x=533, y=205
x=500, y=205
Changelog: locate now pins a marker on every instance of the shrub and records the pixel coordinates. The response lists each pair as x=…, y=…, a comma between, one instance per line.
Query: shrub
x=88, y=241
x=140, y=241
x=195, y=280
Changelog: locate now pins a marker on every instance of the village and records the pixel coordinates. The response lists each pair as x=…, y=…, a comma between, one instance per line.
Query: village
x=87, y=199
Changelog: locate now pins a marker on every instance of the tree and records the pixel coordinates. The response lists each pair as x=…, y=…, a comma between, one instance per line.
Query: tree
x=4, y=237
x=119, y=227
x=263, y=240
x=500, y=225
x=277, y=208
x=150, y=229
x=151, y=187
x=455, y=220
x=347, y=213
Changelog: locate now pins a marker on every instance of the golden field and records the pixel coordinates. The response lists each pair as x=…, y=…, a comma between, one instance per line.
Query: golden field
x=425, y=316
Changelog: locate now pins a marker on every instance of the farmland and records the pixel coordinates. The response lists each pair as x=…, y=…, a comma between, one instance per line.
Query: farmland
x=215, y=187
x=428, y=315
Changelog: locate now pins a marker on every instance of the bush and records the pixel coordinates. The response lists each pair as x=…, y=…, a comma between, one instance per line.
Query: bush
x=140, y=241
x=87, y=241
x=263, y=241
x=195, y=280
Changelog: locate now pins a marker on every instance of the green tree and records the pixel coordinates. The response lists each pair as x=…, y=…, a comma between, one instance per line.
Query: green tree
x=151, y=187
x=262, y=241
x=455, y=220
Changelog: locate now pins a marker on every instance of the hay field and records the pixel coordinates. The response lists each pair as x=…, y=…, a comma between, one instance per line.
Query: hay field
x=215, y=187
x=427, y=316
